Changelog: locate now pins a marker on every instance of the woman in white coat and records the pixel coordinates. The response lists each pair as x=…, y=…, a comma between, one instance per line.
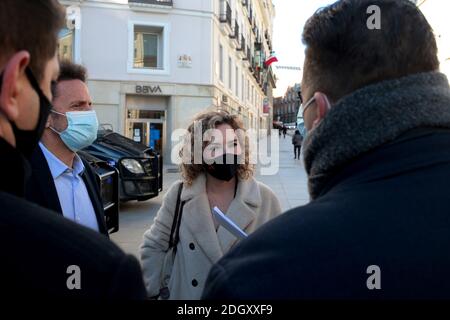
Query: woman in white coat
x=211, y=182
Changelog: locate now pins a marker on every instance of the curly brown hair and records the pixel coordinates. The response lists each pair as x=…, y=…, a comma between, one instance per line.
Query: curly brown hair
x=210, y=120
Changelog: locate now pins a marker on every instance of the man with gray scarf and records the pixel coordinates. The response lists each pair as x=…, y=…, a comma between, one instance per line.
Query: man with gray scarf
x=377, y=154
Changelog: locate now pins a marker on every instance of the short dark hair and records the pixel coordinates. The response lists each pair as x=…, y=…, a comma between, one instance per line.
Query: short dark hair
x=69, y=71
x=32, y=26
x=343, y=54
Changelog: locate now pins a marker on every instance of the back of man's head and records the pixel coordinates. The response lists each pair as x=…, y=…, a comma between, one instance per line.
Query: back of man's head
x=30, y=25
x=343, y=54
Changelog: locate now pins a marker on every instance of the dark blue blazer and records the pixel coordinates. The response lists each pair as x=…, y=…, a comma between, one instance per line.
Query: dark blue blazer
x=41, y=188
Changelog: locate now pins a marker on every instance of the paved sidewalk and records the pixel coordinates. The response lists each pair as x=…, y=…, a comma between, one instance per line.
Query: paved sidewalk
x=289, y=184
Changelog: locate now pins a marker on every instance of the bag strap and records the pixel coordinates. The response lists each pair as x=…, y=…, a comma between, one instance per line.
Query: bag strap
x=175, y=230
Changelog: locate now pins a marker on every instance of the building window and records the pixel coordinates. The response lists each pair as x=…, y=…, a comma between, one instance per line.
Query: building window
x=221, y=63
x=66, y=44
x=149, y=48
x=230, y=73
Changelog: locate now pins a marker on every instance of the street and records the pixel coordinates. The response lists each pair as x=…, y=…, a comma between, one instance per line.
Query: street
x=289, y=184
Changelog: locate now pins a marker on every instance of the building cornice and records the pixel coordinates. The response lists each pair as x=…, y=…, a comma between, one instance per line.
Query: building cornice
x=138, y=7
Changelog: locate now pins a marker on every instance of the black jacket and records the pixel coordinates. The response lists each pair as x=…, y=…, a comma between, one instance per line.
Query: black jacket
x=297, y=140
x=38, y=247
x=41, y=188
x=389, y=207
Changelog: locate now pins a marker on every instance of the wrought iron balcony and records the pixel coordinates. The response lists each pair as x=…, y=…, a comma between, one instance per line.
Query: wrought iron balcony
x=252, y=64
x=225, y=12
x=257, y=75
x=235, y=34
x=248, y=56
x=168, y=3
x=258, y=45
x=242, y=44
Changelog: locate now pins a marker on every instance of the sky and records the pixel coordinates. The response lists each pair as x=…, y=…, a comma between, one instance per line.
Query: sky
x=290, y=18
x=436, y=12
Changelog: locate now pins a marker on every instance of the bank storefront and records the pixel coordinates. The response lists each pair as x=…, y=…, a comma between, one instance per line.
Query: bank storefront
x=149, y=112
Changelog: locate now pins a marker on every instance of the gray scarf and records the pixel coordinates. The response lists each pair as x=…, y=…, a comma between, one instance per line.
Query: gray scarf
x=373, y=116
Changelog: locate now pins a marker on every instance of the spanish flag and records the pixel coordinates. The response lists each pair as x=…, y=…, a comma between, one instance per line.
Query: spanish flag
x=271, y=59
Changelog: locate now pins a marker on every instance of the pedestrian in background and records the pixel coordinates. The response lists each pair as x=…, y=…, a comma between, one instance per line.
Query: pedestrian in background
x=297, y=140
x=284, y=131
x=202, y=241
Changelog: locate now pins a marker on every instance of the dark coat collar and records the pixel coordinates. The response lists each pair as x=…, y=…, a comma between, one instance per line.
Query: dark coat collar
x=48, y=196
x=371, y=117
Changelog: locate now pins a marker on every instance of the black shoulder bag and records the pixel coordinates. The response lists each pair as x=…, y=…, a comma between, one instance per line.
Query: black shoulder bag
x=169, y=259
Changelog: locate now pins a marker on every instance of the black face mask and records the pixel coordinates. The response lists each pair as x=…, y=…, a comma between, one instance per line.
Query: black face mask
x=27, y=140
x=223, y=171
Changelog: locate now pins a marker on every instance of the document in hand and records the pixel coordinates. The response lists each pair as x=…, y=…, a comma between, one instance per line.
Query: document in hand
x=228, y=224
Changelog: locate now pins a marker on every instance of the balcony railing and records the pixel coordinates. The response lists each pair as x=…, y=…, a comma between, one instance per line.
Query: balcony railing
x=157, y=2
x=242, y=44
x=252, y=64
x=257, y=75
x=247, y=56
x=258, y=45
x=225, y=12
x=235, y=34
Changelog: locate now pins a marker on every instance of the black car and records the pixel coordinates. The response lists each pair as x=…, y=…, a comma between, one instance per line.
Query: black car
x=139, y=167
x=108, y=180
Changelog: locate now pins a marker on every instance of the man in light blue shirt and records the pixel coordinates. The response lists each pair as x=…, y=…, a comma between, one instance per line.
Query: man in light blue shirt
x=72, y=193
x=61, y=180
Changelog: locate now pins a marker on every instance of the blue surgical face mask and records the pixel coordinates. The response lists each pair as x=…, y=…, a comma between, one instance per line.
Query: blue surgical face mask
x=81, y=129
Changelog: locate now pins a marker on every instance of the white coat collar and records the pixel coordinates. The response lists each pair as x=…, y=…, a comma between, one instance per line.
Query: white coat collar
x=198, y=217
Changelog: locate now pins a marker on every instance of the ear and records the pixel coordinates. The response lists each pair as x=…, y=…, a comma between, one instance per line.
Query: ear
x=323, y=107
x=14, y=81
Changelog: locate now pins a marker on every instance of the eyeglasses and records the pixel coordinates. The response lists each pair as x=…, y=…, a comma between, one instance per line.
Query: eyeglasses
x=306, y=105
